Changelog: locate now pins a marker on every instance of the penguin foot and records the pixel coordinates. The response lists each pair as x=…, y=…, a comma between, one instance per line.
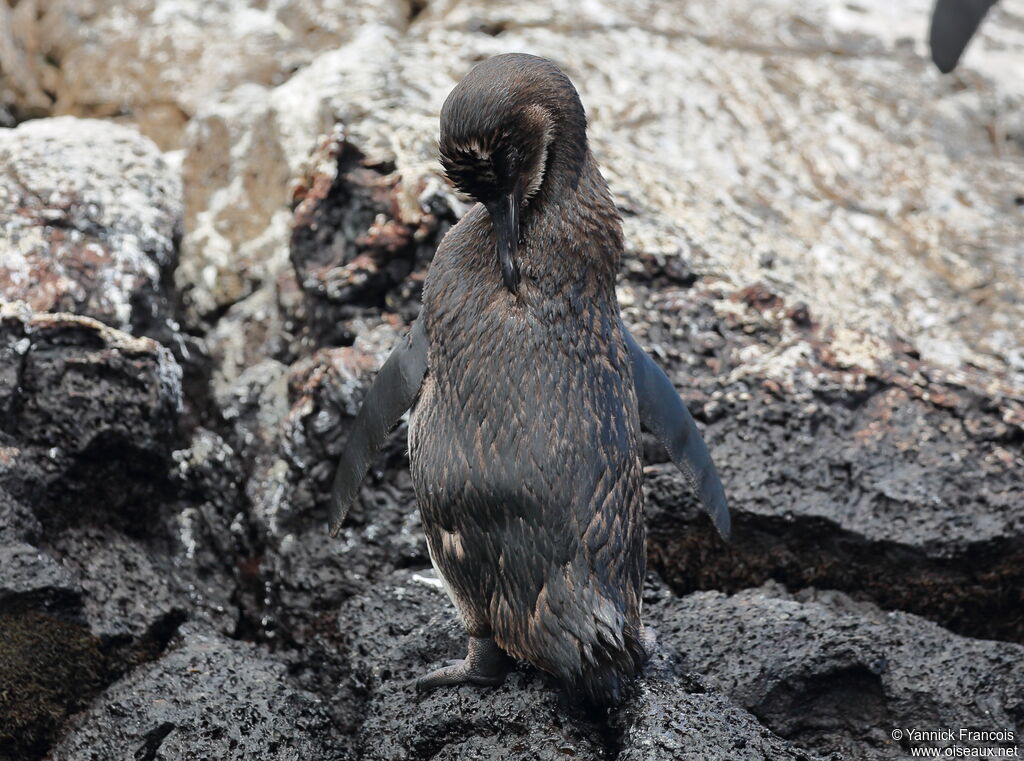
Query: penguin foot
x=486, y=665
x=649, y=640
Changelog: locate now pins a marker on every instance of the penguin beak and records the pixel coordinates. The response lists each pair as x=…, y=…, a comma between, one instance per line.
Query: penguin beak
x=505, y=218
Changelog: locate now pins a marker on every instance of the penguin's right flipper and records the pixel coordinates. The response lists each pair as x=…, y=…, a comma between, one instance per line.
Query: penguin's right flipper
x=663, y=413
x=954, y=22
x=393, y=392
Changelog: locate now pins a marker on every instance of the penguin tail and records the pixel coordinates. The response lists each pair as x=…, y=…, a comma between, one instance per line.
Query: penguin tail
x=605, y=677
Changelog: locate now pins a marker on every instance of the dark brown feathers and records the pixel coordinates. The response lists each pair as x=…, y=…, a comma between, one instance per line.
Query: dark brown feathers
x=494, y=125
x=525, y=436
x=525, y=441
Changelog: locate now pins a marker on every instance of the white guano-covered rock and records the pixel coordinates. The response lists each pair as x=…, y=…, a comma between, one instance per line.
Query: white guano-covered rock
x=90, y=214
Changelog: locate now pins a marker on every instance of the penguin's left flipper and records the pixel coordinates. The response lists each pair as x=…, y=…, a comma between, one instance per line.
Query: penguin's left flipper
x=663, y=413
x=393, y=392
x=954, y=23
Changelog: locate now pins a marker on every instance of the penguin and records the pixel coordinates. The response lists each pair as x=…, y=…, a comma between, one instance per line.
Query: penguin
x=953, y=24
x=527, y=396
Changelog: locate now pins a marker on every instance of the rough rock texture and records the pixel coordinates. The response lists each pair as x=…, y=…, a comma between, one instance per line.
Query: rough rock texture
x=404, y=627
x=90, y=215
x=851, y=463
x=671, y=719
x=308, y=575
x=156, y=62
x=99, y=563
x=74, y=389
x=824, y=252
x=352, y=245
x=834, y=675
x=207, y=697
x=90, y=220
x=767, y=164
x=33, y=579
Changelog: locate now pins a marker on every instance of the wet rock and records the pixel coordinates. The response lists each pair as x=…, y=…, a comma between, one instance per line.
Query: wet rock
x=91, y=417
x=49, y=667
x=91, y=214
x=309, y=573
x=255, y=402
x=835, y=675
x=210, y=539
x=849, y=462
x=30, y=579
x=326, y=390
x=671, y=719
x=315, y=573
x=110, y=538
x=133, y=575
x=17, y=521
x=127, y=591
x=404, y=627
x=74, y=392
x=207, y=697
x=177, y=560
x=520, y=720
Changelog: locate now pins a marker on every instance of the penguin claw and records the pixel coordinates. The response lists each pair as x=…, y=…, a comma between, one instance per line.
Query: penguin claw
x=455, y=673
x=485, y=665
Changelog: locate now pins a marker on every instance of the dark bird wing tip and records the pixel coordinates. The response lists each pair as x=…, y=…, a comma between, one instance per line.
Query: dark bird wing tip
x=953, y=24
x=339, y=511
x=663, y=413
x=709, y=489
x=714, y=501
x=722, y=520
x=393, y=391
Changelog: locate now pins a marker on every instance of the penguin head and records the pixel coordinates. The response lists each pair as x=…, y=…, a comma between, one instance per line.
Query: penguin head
x=512, y=132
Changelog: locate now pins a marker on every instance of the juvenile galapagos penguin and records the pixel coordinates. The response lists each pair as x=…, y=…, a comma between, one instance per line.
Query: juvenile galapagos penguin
x=527, y=396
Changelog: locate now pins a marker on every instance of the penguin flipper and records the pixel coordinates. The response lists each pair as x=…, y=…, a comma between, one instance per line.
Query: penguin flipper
x=954, y=22
x=663, y=413
x=393, y=392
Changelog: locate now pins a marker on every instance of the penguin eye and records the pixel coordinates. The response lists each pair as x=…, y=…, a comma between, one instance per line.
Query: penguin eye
x=507, y=164
x=471, y=173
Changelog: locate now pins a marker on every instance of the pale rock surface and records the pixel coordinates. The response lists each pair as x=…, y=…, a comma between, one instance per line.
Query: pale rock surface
x=155, y=62
x=810, y=146
x=90, y=213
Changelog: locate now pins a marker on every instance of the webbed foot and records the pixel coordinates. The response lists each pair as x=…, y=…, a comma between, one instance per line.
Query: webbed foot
x=486, y=664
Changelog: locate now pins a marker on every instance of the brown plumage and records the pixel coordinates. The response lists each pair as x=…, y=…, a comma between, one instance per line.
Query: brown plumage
x=525, y=433
x=525, y=441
